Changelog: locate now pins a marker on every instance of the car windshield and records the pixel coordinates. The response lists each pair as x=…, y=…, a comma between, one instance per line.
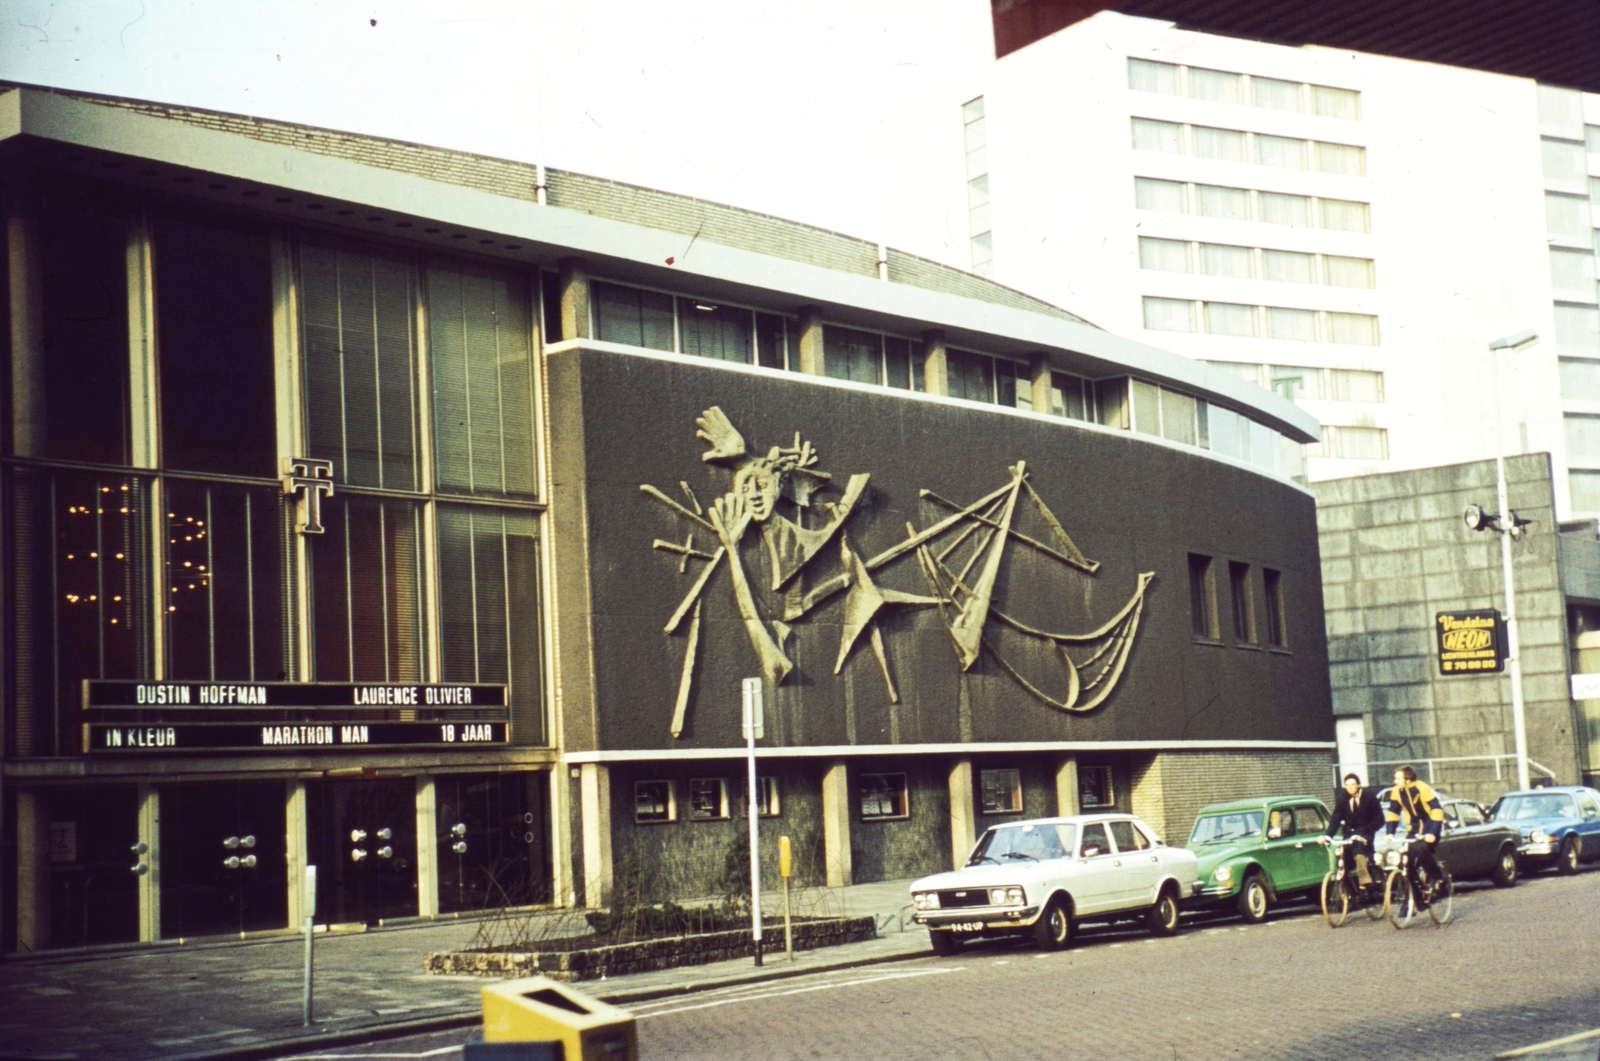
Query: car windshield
x=1220, y=828
x=1023, y=843
x=1547, y=805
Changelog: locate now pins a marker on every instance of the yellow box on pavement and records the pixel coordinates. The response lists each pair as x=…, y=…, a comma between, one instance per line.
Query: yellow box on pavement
x=538, y=1009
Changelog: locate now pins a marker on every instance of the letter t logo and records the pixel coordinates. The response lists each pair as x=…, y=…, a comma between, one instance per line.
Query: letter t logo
x=314, y=480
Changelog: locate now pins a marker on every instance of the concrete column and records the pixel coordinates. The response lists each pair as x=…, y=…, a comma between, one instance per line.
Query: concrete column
x=144, y=436
x=935, y=363
x=1067, y=787
x=150, y=883
x=963, y=813
x=427, y=848
x=25, y=275
x=561, y=843
x=33, y=872
x=1039, y=370
x=299, y=851
x=595, y=789
x=836, y=824
x=575, y=299
x=812, y=358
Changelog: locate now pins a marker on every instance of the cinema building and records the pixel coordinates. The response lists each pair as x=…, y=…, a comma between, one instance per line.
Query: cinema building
x=417, y=515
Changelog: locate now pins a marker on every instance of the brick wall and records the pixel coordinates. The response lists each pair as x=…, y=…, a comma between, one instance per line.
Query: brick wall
x=1169, y=788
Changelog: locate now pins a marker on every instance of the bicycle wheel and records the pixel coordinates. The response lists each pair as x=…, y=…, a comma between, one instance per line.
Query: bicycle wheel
x=1335, y=900
x=1399, y=900
x=1444, y=896
x=1375, y=901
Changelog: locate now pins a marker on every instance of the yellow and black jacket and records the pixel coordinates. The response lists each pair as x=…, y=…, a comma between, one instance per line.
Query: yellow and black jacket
x=1417, y=801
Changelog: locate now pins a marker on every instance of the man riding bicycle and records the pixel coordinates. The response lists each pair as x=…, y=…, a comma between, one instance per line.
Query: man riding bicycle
x=1423, y=813
x=1356, y=817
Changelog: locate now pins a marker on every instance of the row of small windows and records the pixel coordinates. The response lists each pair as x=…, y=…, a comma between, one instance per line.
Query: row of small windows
x=976, y=141
x=1260, y=322
x=1354, y=442
x=1222, y=86
x=1294, y=382
x=657, y=802
x=1248, y=204
x=1255, y=263
x=1578, y=329
x=1236, y=145
x=1151, y=409
x=1569, y=219
x=1249, y=622
x=1566, y=159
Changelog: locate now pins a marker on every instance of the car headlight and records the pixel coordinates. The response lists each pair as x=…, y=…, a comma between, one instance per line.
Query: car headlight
x=1223, y=874
x=1539, y=836
x=997, y=897
x=1014, y=896
x=1391, y=858
x=926, y=900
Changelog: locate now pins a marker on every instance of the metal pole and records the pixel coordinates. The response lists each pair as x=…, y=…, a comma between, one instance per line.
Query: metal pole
x=755, y=851
x=788, y=927
x=305, y=999
x=1519, y=725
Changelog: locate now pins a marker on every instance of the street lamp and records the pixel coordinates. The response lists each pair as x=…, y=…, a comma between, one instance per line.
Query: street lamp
x=1509, y=527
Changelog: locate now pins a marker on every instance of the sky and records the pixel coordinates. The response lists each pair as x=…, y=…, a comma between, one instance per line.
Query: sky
x=810, y=110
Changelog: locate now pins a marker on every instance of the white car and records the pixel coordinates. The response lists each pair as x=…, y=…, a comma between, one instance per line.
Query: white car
x=1046, y=875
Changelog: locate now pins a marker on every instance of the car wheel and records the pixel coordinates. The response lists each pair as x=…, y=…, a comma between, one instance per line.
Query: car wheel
x=1567, y=861
x=1162, y=918
x=1253, y=899
x=1505, y=868
x=944, y=943
x=1053, y=930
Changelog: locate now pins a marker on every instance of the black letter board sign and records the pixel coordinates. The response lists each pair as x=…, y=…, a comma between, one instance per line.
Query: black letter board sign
x=1471, y=642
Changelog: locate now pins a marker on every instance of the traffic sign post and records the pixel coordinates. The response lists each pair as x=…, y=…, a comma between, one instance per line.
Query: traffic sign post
x=751, y=714
x=311, y=916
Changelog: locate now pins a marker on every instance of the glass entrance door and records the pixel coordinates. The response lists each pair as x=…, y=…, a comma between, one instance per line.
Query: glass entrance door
x=362, y=839
x=224, y=865
x=493, y=841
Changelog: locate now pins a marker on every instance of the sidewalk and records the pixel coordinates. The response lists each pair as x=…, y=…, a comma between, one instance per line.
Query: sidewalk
x=242, y=999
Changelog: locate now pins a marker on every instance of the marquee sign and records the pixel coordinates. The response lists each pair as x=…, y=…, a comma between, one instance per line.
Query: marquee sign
x=1470, y=642
x=161, y=717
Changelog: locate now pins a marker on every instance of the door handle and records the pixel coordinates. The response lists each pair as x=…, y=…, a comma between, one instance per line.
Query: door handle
x=1116, y=862
x=1153, y=858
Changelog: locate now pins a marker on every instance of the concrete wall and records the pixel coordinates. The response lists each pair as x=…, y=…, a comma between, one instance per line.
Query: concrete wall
x=1395, y=552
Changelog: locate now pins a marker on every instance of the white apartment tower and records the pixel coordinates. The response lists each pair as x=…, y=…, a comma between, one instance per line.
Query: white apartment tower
x=1350, y=229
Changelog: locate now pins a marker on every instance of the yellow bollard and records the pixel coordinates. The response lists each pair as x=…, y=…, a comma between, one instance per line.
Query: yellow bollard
x=785, y=867
x=541, y=1010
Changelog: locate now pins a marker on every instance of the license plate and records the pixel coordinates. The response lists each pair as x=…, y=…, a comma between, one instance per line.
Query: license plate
x=968, y=926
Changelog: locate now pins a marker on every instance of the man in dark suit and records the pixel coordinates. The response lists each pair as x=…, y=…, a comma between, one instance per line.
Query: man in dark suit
x=1356, y=816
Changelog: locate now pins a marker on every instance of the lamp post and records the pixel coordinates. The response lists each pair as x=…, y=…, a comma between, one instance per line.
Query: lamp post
x=1509, y=527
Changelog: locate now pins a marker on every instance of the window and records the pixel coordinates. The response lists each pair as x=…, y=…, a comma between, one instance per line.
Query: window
x=1296, y=324
x=1230, y=203
x=1347, y=272
x=1221, y=260
x=481, y=345
x=1178, y=417
x=1358, y=329
x=1244, y=609
x=768, y=801
x=1567, y=219
x=1289, y=267
x=1583, y=437
x=1166, y=196
x=1202, y=598
x=1309, y=820
x=1469, y=814
x=1293, y=382
x=1216, y=85
x=213, y=296
x=1127, y=837
x=1151, y=135
x=1094, y=841
x=1146, y=407
x=1572, y=272
x=1228, y=434
x=1578, y=329
x=971, y=376
x=709, y=330
x=1009, y=376
x=1226, y=145
x=852, y=355
x=1580, y=380
x=1094, y=787
x=1001, y=791
x=1585, y=488
x=1345, y=159
x=1276, y=616
x=1167, y=255
x=1279, y=209
x=360, y=365
x=1278, y=95
x=1342, y=215
x=653, y=802
x=1147, y=76
x=1351, y=443
x=1111, y=395
x=1563, y=161
x=883, y=797
x=1168, y=314
x=1354, y=385
x=1227, y=318
x=975, y=135
x=633, y=317
x=368, y=615
x=897, y=362
x=1247, y=372
x=1335, y=102
x=708, y=799
x=771, y=350
x=1280, y=151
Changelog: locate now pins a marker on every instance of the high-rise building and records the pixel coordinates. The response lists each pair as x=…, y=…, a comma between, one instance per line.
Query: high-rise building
x=1351, y=230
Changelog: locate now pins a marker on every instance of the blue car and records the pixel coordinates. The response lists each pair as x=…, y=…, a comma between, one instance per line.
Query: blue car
x=1557, y=826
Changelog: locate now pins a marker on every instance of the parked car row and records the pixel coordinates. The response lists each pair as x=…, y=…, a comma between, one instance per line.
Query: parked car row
x=1045, y=876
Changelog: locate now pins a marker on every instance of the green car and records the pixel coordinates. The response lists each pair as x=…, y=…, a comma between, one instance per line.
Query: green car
x=1255, y=852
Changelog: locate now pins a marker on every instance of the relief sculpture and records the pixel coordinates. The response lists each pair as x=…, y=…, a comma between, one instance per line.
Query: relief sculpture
x=959, y=559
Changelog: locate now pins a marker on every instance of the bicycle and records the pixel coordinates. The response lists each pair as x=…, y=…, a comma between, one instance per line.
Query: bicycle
x=1407, y=890
x=1340, y=892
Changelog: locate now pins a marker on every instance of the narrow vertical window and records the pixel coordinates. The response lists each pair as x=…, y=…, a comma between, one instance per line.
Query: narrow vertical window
x=1202, y=598
x=366, y=591
x=1277, y=617
x=632, y=317
x=709, y=330
x=852, y=355
x=897, y=362
x=971, y=376
x=771, y=351
x=1244, y=611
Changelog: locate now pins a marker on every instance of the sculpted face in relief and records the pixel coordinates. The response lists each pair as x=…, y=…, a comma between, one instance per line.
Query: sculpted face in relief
x=958, y=557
